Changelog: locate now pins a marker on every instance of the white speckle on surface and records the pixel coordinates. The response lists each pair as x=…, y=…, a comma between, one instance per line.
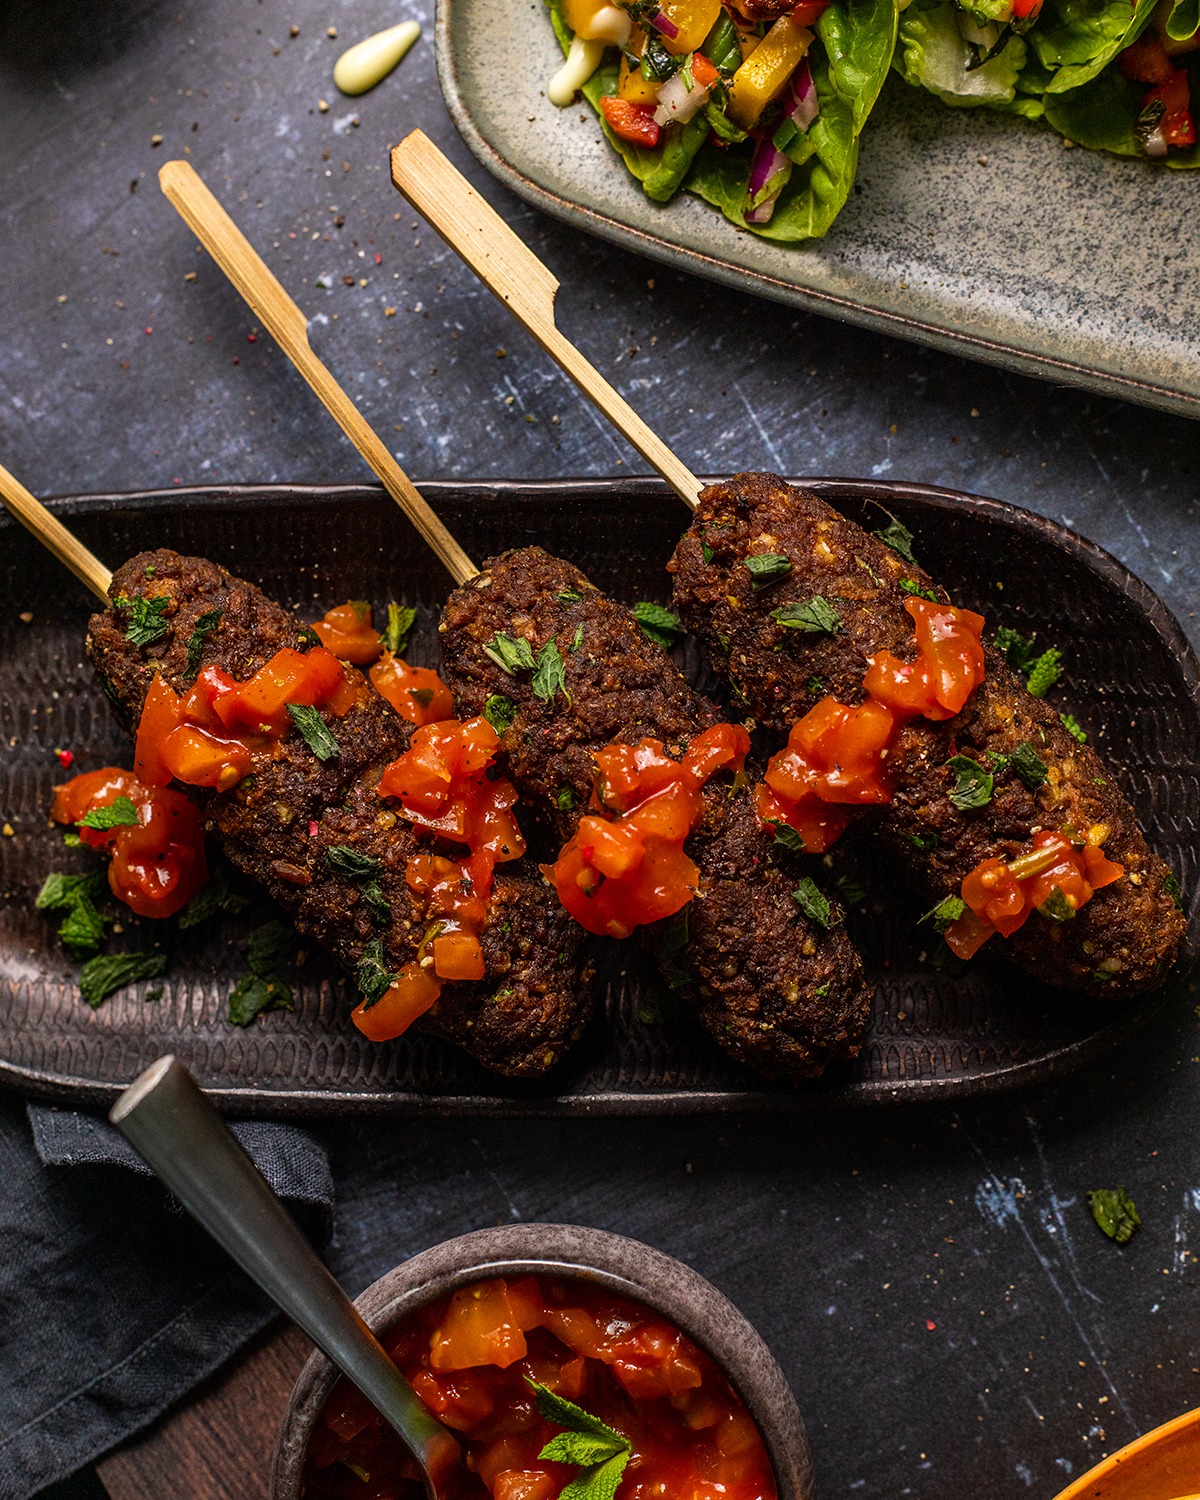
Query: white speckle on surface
x=881, y=468
x=1024, y=1471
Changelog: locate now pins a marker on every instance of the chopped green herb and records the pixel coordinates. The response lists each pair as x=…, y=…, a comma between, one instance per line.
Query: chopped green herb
x=119, y=813
x=812, y=903
x=946, y=912
x=269, y=946
x=342, y=859
x=569, y=596
x=217, y=895
x=674, y=941
x=153, y=994
x=898, y=537
x=787, y=837
x=1171, y=886
x=815, y=686
x=101, y=977
x=381, y=907
x=204, y=627
x=1073, y=728
x=374, y=980
x=395, y=636
x=314, y=731
x=767, y=569
x=706, y=552
x=499, y=712
x=1016, y=650
x=255, y=995
x=923, y=841
x=72, y=841
x=1101, y=976
x=511, y=656
x=658, y=624
x=1027, y=765
x=82, y=930
x=308, y=639
x=974, y=785
x=577, y=642
x=815, y=615
x=600, y=1453
x=1113, y=1210
x=1056, y=907
x=60, y=892
x=911, y=586
x=565, y=798
x=550, y=678
x=822, y=993
x=1045, y=672
x=423, y=697
x=866, y=566
x=146, y=623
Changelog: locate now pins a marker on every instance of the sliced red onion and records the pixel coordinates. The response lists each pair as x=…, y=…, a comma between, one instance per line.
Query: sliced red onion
x=677, y=102
x=1156, y=144
x=800, y=102
x=769, y=172
x=668, y=28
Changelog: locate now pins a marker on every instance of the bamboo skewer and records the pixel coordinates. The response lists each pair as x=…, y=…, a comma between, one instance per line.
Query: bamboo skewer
x=225, y=242
x=510, y=270
x=34, y=516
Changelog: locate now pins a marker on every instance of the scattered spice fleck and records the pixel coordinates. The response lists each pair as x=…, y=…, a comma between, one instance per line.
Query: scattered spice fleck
x=9, y=831
x=332, y=32
x=189, y=275
x=149, y=330
x=65, y=758
x=295, y=31
x=378, y=259
x=930, y=1324
x=323, y=106
x=500, y=353
x=389, y=312
x=155, y=140
x=236, y=360
x=312, y=828
x=252, y=338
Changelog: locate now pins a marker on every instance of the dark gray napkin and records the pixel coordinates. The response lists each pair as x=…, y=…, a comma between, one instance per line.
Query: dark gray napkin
x=113, y=1302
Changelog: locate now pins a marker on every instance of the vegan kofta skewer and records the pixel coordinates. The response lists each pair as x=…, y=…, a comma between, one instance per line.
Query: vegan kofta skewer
x=777, y=987
x=1026, y=773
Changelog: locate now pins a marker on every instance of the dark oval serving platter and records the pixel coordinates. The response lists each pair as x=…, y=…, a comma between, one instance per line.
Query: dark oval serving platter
x=1132, y=681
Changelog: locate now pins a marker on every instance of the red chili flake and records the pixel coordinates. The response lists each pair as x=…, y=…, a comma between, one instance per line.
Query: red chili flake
x=124, y=364
x=312, y=828
x=252, y=338
x=930, y=1324
x=236, y=360
x=149, y=330
x=176, y=481
x=65, y=759
x=378, y=259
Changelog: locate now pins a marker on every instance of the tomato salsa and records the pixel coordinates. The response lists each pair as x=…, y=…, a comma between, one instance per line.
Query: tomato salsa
x=157, y=848
x=626, y=865
x=836, y=756
x=443, y=786
x=471, y=1357
x=416, y=693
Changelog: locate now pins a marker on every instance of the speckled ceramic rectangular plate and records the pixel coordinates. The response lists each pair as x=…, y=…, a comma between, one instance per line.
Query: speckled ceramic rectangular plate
x=968, y=230
x=1133, y=680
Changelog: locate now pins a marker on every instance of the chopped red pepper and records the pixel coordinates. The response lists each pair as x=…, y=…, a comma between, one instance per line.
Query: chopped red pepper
x=1177, y=125
x=632, y=122
x=157, y=864
x=1026, y=10
x=705, y=73
x=65, y=759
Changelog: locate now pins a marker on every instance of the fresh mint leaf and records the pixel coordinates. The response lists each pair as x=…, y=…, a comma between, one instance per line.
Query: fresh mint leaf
x=82, y=930
x=658, y=624
x=577, y=642
x=308, y=639
x=812, y=903
x=850, y=892
x=550, y=678
x=1056, y=907
x=565, y=798
x=974, y=785
x=564, y=1413
x=898, y=537
x=569, y=596
x=706, y=552
x=510, y=655
x=923, y=841
x=946, y=912
x=1026, y=764
x=60, y=892
x=1073, y=728
x=1114, y=1211
x=395, y=636
x=373, y=977
x=1015, y=648
x=582, y=1448
x=1045, y=672
x=146, y=623
x=787, y=837
x=255, y=995
x=204, y=627
x=598, y=1483
x=217, y=895
x=314, y=731
x=499, y=712
x=269, y=946
x=767, y=569
x=342, y=859
x=120, y=813
x=1172, y=888
x=101, y=977
x=381, y=907
x=911, y=586
x=815, y=615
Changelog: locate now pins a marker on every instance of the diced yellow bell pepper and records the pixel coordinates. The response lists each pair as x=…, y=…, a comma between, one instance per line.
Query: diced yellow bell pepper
x=765, y=72
x=632, y=86
x=694, y=18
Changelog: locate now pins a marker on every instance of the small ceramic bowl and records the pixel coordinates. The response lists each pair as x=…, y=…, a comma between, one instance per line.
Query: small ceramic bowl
x=1160, y=1465
x=620, y=1265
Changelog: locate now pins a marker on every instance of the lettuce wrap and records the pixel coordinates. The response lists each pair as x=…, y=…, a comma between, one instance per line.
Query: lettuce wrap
x=1103, y=115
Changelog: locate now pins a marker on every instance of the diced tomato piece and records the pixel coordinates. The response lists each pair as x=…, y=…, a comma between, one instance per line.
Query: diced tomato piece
x=1146, y=60
x=412, y=994
x=720, y=746
x=416, y=693
x=348, y=633
x=705, y=72
x=457, y=955
x=632, y=122
x=1100, y=870
x=160, y=715
x=201, y=759
x=260, y=705
x=1176, y=124
x=525, y=1484
x=460, y=1400
x=1026, y=10
x=159, y=866
x=478, y=1328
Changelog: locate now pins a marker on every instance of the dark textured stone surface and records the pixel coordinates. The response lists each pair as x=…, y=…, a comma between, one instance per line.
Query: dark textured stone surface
x=843, y=1238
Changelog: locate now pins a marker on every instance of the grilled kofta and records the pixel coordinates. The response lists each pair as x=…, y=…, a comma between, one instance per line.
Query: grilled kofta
x=278, y=824
x=777, y=990
x=1124, y=938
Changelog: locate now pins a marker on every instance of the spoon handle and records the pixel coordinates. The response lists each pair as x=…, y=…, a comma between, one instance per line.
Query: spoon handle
x=175, y=1129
